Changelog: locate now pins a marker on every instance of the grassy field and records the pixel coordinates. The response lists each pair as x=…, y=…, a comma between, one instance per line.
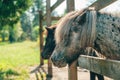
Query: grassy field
x=16, y=58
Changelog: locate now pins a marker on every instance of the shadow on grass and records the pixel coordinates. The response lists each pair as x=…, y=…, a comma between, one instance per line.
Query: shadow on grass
x=7, y=74
x=41, y=74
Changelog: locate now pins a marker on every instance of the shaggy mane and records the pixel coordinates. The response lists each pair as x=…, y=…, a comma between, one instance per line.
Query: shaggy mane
x=65, y=21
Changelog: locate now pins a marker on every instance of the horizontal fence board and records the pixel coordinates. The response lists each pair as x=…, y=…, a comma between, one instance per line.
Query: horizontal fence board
x=109, y=68
x=52, y=17
x=100, y=4
x=56, y=4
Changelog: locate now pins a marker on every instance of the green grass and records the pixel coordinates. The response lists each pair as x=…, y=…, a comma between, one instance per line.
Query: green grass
x=16, y=58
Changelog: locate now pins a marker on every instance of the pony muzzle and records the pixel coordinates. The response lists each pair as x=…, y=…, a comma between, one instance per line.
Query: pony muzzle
x=58, y=60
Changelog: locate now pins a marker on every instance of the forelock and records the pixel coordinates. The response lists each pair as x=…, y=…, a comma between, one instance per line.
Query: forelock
x=64, y=24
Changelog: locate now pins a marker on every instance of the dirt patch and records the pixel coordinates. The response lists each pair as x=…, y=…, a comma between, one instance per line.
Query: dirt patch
x=40, y=73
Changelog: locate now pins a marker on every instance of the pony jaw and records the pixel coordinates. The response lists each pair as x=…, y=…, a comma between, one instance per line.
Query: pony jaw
x=58, y=58
x=63, y=56
x=46, y=55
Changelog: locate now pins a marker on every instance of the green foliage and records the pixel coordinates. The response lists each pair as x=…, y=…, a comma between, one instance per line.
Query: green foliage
x=38, y=5
x=4, y=74
x=23, y=37
x=10, y=11
x=11, y=35
x=35, y=33
x=26, y=26
x=30, y=19
x=4, y=33
x=17, y=32
x=11, y=72
x=25, y=22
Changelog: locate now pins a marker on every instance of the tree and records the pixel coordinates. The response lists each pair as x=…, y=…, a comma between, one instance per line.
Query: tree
x=4, y=33
x=30, y=19
x=10, y=12
x=38, y=5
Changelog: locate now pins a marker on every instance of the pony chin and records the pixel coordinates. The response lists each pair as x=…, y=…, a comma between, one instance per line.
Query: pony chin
x=45, y=56
x=61, y=57
x=60, y=64
x=46, y=53
x=58, y=59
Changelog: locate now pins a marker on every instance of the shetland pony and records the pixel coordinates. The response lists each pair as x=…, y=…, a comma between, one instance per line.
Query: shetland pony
x=86, y=28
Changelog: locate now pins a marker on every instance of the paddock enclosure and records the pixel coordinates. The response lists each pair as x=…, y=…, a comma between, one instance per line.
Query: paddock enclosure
x=106, y=67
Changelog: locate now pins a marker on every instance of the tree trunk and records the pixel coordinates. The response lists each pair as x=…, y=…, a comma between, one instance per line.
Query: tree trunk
x=11, y=35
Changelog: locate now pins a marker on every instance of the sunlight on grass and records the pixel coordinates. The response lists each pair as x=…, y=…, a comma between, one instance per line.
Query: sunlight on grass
x=18, y=57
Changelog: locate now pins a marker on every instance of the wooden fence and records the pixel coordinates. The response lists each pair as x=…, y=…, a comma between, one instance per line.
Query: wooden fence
x=109, y=68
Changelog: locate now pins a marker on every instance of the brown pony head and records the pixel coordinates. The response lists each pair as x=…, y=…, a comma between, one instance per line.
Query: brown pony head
x=70, y=42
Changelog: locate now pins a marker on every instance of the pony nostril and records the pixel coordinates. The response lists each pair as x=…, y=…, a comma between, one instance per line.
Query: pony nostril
x=54, y=59
x=44, y=56
x=58, y=62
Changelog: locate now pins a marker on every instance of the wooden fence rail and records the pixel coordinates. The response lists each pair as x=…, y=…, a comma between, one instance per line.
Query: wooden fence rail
x=109, y=68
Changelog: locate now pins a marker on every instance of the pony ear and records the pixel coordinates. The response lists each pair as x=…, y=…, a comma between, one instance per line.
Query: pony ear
x=54, y=29
x=48, y=29
x=81, y=19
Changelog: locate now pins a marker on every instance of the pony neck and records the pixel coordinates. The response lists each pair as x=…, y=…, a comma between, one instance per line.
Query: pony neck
x=108, y=35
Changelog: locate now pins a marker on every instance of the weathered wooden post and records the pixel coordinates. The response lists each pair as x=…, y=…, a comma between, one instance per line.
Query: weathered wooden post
x=70, y=5
x=41, y=36
x=72, y=71
x=72, y=67
x=48, y=21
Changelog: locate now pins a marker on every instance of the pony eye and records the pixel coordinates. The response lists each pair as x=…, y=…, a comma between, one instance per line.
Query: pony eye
x=75, y=23
x=75, y=27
